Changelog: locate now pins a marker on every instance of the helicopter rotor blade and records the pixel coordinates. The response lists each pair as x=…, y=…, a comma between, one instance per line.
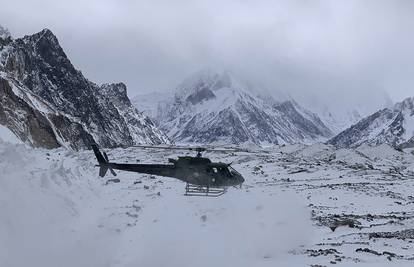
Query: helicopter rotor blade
x=197, y=149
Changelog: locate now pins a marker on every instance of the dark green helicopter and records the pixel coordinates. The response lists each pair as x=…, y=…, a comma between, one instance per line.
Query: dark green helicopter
x=202, y=177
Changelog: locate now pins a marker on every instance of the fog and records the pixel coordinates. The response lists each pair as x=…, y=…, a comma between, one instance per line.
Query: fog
x=300, y=46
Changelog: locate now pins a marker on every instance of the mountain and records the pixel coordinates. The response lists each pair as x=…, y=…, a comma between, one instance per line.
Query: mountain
x=339, y=111
x=149, y=103
x=5, y=36
x=394, y=126
x=46, y=102
x=212, y=107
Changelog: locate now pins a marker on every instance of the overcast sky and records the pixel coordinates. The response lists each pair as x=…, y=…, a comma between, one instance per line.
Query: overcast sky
x=293, y=45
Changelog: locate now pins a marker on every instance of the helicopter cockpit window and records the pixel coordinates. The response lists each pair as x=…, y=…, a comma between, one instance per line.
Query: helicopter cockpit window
x=233, y=172
x=212, y=170
x=224, y=171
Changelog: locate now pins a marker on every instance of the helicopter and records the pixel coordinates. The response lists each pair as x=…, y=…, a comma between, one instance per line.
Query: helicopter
x=202, y=176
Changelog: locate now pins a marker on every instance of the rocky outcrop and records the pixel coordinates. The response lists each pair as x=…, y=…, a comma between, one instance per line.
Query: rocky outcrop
x=65, y=109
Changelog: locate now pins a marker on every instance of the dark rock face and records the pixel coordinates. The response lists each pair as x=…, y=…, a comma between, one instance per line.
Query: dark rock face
x=78, y=111
x=199, y=96
x=408, y=144
x=27, y=123
x=390, y=126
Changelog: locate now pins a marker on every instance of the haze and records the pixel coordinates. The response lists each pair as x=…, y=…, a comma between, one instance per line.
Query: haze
x=299, y=46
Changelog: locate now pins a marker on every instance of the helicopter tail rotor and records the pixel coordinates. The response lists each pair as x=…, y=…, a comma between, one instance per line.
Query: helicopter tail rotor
x=103, y=161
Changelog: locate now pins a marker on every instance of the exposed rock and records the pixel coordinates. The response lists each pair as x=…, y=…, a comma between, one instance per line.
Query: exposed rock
x=336, y=220
x=46, y=102
x=404, y=234
x=111, y=181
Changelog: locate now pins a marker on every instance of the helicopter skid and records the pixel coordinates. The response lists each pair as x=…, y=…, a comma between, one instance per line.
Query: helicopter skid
x=197, y=190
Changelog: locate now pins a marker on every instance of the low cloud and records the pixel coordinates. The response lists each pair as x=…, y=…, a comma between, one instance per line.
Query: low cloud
x=313, y=46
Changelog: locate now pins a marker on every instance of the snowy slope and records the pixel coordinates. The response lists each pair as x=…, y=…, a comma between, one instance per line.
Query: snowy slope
x=46, y=102
x=394, y=126
x=8, y=136
x=210, y=107
x=300, y=206
x=149, y=103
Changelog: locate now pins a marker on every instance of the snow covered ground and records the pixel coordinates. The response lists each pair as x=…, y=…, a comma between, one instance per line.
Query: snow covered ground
x=300, y=206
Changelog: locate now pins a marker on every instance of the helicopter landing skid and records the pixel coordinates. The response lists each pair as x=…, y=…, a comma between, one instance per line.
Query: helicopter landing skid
x=203, y=191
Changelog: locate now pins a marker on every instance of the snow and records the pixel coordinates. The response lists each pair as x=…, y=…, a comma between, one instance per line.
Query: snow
x=4, y=33
x=317, y=150
x=381, y=151
x=351, y=157
x=379, y=126
x=56, y=211
x=408, y=126
x=394, y=125
x=255, y=120
x=49, y=210
x=225, y=98
x=148, y=103
x=8, y=136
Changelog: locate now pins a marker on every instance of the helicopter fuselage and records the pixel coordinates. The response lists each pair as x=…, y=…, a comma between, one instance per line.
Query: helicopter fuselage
x=207, y=174
x=192, y=170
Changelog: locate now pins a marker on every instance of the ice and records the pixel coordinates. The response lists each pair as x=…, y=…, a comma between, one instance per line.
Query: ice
x=8, y=136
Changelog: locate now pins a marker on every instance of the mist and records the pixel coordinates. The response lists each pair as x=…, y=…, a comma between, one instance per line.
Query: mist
x=300, y=47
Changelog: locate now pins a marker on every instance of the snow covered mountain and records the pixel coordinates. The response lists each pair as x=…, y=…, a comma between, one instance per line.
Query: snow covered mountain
x=150, y=102
x=5, y=36
x=211, y=107
x=46, y=102
x=394, y=126
x=339, y=111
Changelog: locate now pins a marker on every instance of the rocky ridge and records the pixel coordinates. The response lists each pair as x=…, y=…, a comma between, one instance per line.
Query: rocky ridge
x=48, y=103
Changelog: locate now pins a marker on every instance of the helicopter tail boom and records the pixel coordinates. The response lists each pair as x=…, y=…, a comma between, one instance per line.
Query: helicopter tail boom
x=102, y=160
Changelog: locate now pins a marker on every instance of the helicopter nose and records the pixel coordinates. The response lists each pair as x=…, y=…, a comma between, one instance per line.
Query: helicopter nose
x=241, y=179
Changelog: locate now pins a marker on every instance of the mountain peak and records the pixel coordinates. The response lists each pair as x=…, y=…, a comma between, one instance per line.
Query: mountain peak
x=118, y=88
x=216, y=107
x=43, y=36
x=4, y=33
x=406, y=104
x=116, y=91
x=207, y=80
x=60, y=106
x=393, y=126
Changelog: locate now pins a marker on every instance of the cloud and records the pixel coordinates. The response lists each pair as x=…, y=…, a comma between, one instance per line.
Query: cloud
x=153, y=45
